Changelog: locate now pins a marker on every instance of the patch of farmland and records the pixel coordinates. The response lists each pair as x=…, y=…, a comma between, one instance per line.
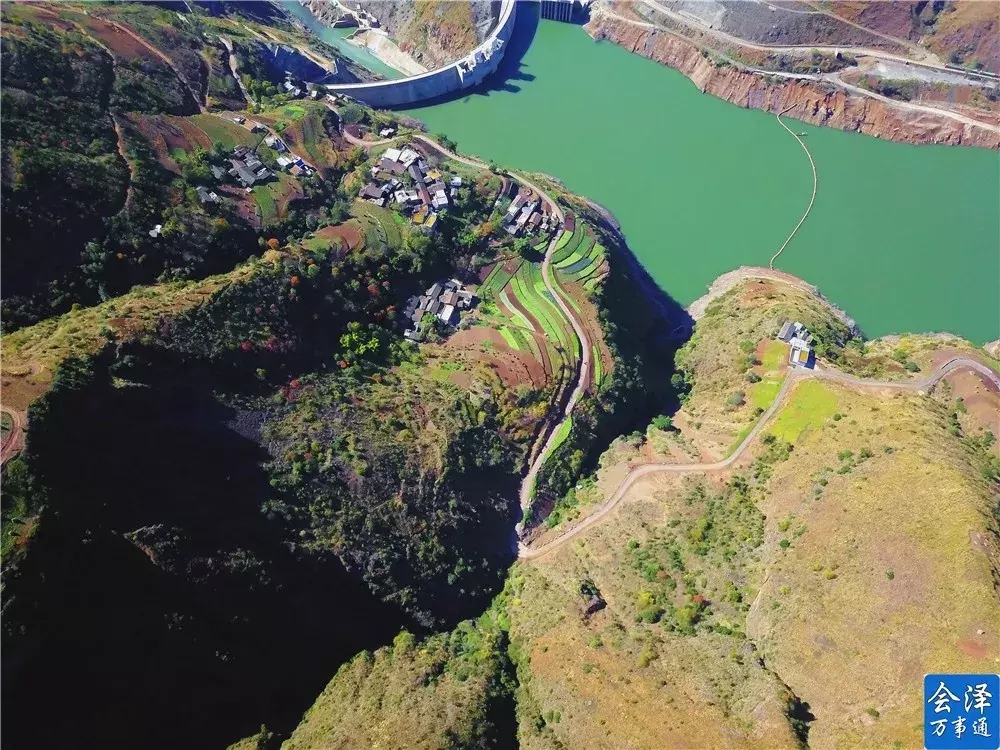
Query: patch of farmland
x=229, y=134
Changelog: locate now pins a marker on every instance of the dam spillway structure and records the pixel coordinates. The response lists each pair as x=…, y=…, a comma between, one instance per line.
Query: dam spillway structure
x=566, y=11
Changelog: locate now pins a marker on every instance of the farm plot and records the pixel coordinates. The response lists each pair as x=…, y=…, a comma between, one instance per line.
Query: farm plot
x=498, y=277
x=273, y=197
x=341, y=238
x=229, y=134
x=568, y=244
x=584, y=264
x=529, y=291
x=377, y=223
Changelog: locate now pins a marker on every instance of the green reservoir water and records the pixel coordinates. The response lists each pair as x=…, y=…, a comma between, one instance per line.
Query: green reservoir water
x=337, y=38
x=905, y=238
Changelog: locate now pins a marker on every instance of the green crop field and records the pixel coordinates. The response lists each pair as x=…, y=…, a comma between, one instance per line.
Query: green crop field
x=378, y=223
x=568, y=243
x=495, y=281
x=582, y=251
x=518, y=315
x=762, y=394
x=773, y=355
x=539, y=308
x=810, y=406
x=562, y=433
x=229, y=134
x=598, y=373
x=510, y=337
x=264, y=197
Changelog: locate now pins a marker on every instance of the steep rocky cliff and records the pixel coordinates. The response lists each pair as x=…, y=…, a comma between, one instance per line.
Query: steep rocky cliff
x=810, y=102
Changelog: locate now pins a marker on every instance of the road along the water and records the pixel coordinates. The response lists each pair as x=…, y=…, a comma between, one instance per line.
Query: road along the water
x=637, y=473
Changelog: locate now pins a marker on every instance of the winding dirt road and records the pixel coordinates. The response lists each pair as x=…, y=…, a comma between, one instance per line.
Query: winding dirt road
x=637, y=473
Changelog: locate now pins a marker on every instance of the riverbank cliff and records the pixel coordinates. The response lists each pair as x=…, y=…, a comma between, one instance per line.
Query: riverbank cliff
x=812, y=102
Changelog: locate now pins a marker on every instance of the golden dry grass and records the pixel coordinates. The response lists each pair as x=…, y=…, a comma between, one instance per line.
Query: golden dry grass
x=877, y=565
x=885, y=581
x=609, y=682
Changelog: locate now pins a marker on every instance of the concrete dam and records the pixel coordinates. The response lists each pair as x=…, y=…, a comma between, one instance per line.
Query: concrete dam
x=461, y=74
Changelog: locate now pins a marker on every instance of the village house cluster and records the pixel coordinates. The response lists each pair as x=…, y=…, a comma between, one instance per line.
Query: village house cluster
x=443, y=300
x=247, y=168
x=403, y=177
x=799, y=340
x=525, y=214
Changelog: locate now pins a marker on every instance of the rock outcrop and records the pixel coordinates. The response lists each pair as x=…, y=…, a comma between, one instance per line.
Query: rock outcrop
x=813, y=102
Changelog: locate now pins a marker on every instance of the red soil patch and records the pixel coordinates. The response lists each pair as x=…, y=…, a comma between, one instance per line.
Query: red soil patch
x=513, y=367
x=166, y=133
x=758, y=354
x=973, y=647
x=120, y=43
x=347, y=232
x=245, y=206
x=283, y=202
x=485, y=272
x=589, y=318
x=47, y=16
x=760, y=290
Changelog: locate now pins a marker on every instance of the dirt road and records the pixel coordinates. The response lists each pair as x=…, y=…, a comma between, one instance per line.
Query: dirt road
x=586, y=348
x=930, y=63
x=637, y=473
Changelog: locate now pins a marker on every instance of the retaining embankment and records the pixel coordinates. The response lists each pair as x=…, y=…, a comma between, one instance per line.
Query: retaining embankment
x=461, y=74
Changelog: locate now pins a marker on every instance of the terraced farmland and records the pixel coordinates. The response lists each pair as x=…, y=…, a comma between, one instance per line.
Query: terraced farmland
x=580, y=259
x=379, y=228
x=498, y=278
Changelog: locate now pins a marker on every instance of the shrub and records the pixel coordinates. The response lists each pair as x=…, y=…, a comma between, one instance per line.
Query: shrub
x=352, y=114
x=736, y=399
x=663, y=422
x=890, y=575
x=753, y=377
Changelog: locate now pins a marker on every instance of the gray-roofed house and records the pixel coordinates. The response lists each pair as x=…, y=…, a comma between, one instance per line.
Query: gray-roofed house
x=785, y=334
x=239, y=170
x=205, y=196
x=218, y=172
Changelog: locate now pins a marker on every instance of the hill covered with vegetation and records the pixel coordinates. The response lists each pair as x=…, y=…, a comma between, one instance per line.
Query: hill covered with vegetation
x=242, y=490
